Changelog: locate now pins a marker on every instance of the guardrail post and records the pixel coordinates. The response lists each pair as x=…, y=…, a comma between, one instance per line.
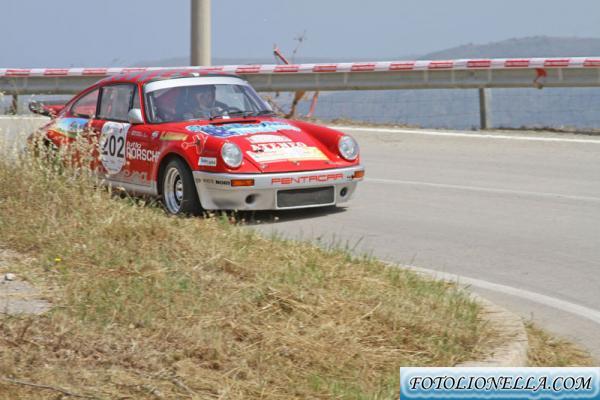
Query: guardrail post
x=484, y=108
x=14, y=105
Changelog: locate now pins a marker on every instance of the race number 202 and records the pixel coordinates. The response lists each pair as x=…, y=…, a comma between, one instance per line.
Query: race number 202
x=112, y=145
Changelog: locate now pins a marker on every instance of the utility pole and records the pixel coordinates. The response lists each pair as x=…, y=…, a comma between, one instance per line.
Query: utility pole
x=200, y=33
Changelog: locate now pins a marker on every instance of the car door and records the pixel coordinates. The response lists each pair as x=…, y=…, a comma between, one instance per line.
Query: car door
x=74, y=123
x=126, y=149
x=71, y=129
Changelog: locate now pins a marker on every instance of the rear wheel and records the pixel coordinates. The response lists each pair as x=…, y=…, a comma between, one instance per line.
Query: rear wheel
x=178, y=189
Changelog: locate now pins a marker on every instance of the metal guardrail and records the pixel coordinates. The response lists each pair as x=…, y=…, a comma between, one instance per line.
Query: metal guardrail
x=451, y=74
x=479, y=74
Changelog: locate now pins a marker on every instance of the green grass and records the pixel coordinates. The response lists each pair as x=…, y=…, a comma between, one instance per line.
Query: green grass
x=151, y=306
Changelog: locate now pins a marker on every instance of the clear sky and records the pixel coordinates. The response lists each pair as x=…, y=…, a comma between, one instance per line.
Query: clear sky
x=39, y=33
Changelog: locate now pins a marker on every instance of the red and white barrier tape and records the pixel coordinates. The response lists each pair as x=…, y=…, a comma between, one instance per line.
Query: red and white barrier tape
x=380, y=66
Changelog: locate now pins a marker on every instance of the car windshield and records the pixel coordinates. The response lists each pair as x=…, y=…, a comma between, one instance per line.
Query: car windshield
x=188, y=99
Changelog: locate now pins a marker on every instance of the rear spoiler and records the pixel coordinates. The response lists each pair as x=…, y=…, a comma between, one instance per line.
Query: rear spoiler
x=47, y=108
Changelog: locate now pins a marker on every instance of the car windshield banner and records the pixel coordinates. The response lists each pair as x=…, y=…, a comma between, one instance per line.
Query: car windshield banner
x=499, y=383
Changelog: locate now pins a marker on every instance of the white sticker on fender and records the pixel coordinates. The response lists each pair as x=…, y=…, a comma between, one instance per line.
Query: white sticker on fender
x=113, y=144
x=207, y=162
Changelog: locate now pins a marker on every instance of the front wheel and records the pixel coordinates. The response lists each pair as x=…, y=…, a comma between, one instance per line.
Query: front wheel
x=179, y=193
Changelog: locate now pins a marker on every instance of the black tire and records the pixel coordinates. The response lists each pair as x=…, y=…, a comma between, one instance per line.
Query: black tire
x=178, y=189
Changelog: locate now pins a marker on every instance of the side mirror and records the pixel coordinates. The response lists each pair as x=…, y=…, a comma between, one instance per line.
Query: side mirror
x=135, y=116
x=38, y=108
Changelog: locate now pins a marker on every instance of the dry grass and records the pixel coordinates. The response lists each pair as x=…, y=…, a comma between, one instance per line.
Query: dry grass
x=548, y=351
x=149, y=306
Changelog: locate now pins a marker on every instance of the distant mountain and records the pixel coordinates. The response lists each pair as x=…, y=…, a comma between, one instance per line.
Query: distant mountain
x=537, y=46
x=183, y=61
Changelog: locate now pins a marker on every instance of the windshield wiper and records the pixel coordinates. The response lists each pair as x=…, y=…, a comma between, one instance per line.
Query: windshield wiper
x=262, y=112
x=244, y=114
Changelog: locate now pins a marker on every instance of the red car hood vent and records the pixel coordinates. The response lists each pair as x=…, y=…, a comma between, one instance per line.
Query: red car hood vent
x=235, y=121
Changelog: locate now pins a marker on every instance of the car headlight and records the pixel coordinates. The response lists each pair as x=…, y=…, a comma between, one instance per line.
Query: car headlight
x=348, y=148
x=232, y=155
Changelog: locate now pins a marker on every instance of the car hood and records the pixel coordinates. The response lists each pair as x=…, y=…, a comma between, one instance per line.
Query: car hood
x=270, y=144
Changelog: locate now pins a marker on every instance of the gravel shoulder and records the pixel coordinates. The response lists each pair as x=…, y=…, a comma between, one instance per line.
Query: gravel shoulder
x=18, y=297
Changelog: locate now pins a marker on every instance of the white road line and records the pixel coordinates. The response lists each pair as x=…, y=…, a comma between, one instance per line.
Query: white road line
x=484, y=189
x=467, y=135
x=572, y=308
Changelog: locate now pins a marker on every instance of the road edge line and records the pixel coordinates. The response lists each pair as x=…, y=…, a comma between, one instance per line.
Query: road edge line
x=441, y=133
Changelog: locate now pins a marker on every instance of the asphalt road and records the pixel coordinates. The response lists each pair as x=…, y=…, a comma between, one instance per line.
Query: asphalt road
x=518, y=218
x=515, y=215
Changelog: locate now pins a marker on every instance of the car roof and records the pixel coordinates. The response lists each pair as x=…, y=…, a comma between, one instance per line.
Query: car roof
x=145, y=75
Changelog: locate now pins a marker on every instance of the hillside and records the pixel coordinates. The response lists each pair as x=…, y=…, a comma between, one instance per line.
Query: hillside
x=537, y=46
x=267, y=59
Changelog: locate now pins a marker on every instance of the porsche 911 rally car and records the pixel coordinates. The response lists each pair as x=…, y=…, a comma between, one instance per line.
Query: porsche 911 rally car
x=201, y=141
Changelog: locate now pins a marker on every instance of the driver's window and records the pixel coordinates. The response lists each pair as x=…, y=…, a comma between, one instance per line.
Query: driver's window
x=115, y=102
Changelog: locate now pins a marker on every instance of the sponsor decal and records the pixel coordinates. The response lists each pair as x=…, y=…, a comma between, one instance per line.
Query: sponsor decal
x=135, y=151
x=274, y=147
x=138, y=134
x=268, y=139
x=174, y=136
x=198, y=141
x=216, y=182
x=224, y=131
x=128, y=176
x=294, y=151
x=137, y=177
x=70, y=127
x=307, y=179
x=112, y=144
x=196, y=128
x=207, y=162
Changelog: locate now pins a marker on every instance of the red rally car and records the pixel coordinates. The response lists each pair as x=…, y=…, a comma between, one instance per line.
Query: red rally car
x=201, y=141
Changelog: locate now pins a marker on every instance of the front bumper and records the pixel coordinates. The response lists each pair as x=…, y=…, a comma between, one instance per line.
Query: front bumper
x=217, y=193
